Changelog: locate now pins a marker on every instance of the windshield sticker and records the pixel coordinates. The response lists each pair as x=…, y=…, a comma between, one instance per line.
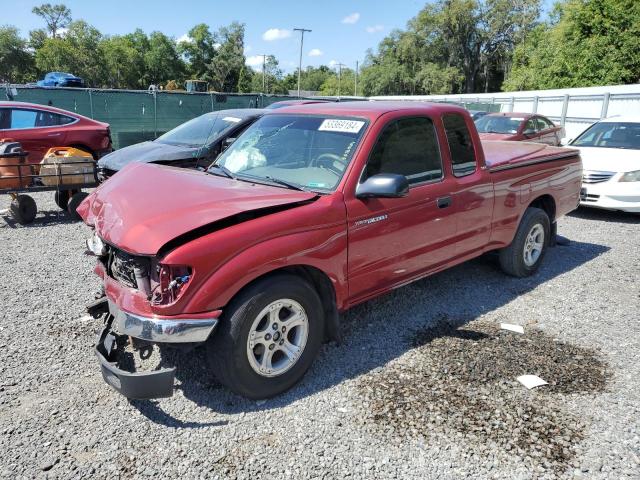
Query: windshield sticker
x=342, y=126
x=231, y=119
x=317, y=185
x=517, y=118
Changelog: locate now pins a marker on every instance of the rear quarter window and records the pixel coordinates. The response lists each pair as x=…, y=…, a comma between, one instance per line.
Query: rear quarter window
x=463, y=156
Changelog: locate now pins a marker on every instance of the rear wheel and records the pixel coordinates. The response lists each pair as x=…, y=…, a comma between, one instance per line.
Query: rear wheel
x=23, y=209
x=268, y=337
x=74, y=203
x=523, y=257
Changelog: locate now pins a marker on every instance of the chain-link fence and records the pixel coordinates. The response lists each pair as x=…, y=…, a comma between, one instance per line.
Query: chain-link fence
x=134, y=115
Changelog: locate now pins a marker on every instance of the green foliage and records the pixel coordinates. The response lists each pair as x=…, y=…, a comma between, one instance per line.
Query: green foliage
x=199, y=50
x=271, y=78
x=55, y=16
x=76, y=52
x=161, y=60
x=16, y=63
x=224, y=69
x=586, y=42
x=450, y=46
x=245, y=80
x=344, y=85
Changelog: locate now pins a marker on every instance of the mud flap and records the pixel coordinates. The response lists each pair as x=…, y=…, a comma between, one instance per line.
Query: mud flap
x=136, y=385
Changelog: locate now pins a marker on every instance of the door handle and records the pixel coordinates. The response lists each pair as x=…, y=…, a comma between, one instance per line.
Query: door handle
x=444, y=202
x=54, y=135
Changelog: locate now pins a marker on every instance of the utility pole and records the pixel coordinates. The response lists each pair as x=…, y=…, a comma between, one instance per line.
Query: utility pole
x=355, y=85
x=301, y=30
x=264, y=62
x=340, y=65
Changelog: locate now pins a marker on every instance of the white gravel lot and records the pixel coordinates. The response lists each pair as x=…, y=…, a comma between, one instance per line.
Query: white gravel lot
x=423, y=385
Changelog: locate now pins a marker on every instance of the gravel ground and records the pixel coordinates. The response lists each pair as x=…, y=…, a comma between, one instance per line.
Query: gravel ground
x=423, y=385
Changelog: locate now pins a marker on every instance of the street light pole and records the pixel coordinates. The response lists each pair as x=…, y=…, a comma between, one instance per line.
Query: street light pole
x=301, y=30
x=264, y=62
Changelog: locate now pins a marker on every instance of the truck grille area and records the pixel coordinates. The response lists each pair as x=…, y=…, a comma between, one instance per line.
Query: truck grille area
x=127, y=269
x=596, y=177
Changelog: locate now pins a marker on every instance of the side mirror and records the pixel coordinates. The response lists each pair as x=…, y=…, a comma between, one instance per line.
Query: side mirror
x=384, y=185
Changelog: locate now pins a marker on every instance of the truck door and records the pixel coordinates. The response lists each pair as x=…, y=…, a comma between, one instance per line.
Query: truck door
x=393, y=240
x=472, y=190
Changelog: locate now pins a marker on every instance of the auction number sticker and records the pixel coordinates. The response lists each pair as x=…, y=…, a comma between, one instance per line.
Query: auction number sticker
x=342, y=126
x=231, y=119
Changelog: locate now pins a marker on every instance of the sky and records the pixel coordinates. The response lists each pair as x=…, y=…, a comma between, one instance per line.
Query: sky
x=342, y=31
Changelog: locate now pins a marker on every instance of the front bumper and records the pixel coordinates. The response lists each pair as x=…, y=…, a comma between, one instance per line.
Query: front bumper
x=121, y=325
x=162, y=330
x=611, y=195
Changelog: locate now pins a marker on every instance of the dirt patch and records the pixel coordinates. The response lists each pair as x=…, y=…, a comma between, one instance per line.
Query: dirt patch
x=462, y=380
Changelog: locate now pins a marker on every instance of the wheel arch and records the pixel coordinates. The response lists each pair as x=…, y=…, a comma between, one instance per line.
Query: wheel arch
x=546, y=203
x=323, y=285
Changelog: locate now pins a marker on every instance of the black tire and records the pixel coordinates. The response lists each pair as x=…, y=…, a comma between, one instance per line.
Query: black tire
x=227, y=348
x=23, y=209
x=512, y=258
x=62, y=197
x=74, y=203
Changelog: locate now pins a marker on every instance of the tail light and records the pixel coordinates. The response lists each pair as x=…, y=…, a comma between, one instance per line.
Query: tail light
x=170, y=282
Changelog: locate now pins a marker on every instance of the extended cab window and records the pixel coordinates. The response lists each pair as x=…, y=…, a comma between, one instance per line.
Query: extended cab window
x=408, y=147
x=463, y=156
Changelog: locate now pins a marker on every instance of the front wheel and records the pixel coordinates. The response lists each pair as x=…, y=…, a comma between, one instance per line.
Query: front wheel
x=523, y=257
x=268, y=337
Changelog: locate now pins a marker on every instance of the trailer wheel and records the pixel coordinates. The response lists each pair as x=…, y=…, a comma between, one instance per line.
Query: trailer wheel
x=62, y=197
x=268, y=337
x=23, y=209
x=524, y=256
x=74, y=202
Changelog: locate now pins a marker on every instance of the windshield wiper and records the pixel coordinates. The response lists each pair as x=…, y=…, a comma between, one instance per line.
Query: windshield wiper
x=291, y=185
x=227, y=173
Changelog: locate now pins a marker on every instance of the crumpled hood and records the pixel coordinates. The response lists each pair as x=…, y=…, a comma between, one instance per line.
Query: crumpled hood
x=147, y=152
x=497, y=136
x=610, y=159
x=145, y=206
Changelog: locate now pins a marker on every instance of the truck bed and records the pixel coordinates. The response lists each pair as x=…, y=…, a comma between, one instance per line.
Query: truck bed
x=503, y=155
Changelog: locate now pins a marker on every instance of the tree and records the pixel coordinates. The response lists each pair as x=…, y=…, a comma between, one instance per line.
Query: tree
x=77, y=52
x=585, y=43
x=224, y=69
x=16, y=63
x=344, y=86
x=124, y=62
x=162, y=62
x=55, y=16
x=469, y=40
x=199, y=50
x=245, y=80
x=272, y=78
x=37, y=38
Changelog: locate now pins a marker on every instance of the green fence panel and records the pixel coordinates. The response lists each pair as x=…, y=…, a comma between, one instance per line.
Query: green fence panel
x=139, y=115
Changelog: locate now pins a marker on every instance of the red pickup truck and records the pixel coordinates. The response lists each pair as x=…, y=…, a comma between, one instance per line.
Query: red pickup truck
x=312, y=210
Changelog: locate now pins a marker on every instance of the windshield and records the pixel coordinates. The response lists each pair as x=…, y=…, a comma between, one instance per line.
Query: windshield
x=200, y=131
x=498, y=124
x=311, y=152
x=610, y=135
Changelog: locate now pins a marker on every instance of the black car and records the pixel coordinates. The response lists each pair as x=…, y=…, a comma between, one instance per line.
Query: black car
x=193, y=144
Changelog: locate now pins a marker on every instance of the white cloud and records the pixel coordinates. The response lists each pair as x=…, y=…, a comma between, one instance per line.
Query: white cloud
x=247, y=49
x=375, y=28
x=276, y=34
x=254, y=61
x=184, y=38
x=316, y=52
x=333, y=63
x=353, y=18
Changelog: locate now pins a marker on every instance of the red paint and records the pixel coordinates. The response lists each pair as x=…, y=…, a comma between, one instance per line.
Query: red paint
x=548, y=136
x=82, y=132
x=145, y=206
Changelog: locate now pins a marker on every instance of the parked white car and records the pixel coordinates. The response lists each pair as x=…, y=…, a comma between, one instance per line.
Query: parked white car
x=610, y=151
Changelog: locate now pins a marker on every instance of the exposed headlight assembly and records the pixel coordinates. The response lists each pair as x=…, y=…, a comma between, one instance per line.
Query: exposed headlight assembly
x=631, y=177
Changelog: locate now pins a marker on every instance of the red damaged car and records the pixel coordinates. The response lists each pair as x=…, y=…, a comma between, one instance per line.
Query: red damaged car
x=524, y=127
x=312, y=210
x=39, y=128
